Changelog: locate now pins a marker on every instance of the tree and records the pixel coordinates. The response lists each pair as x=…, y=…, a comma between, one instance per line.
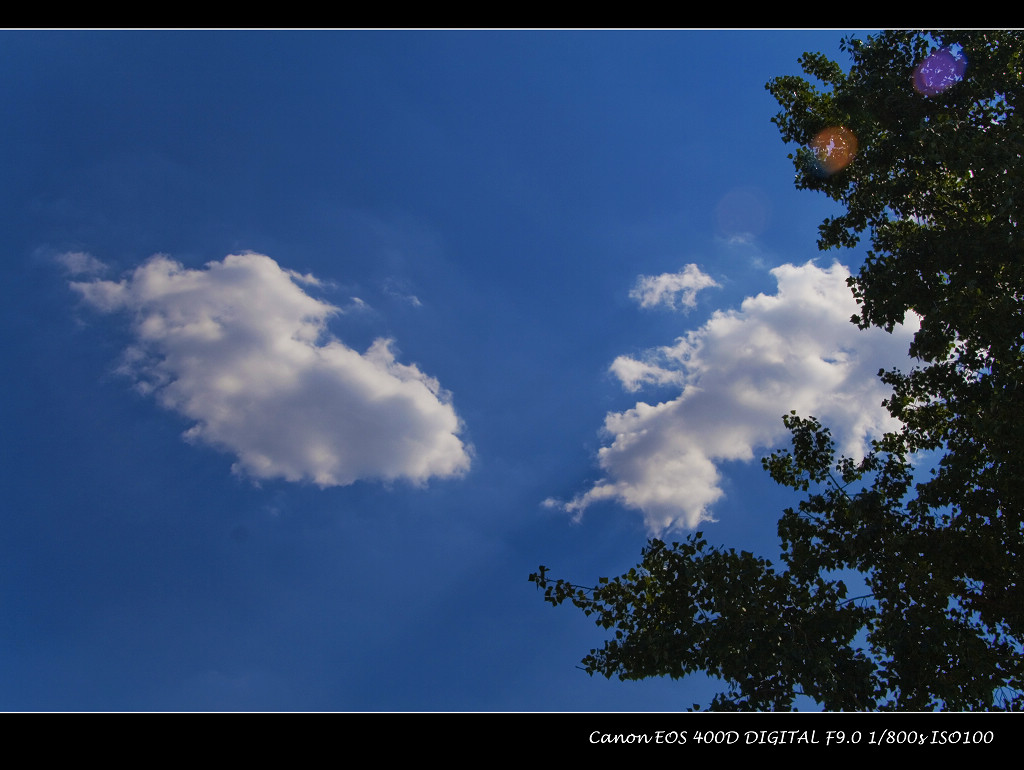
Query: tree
x=921, y=142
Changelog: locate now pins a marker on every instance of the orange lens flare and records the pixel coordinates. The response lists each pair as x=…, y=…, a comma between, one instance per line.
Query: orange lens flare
x=834, y=148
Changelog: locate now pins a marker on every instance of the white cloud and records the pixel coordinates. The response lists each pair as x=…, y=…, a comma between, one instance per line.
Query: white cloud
x=240, y=349
x=81, y=263
x=399, y=291
x=739, y=373
x=671, y=288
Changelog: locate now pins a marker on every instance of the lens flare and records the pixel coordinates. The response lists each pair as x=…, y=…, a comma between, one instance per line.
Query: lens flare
x=834, y=148
x=939, y=71
x=742, y=213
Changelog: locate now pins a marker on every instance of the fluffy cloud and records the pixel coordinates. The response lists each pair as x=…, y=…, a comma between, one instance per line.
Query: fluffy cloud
x=240, y=349
x=672, y=289
x=739, y=373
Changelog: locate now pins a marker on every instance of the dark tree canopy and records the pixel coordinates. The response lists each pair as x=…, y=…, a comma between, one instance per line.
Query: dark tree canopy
x=924, y=155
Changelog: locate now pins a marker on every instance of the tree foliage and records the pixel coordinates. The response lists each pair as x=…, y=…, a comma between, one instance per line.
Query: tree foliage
x=934, y=185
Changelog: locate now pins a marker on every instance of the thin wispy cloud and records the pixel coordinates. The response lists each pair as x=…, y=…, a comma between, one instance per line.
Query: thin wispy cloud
x=241, y=350
x=81, y=263
x=674, y=290
x=400, y=292
x=738, y=374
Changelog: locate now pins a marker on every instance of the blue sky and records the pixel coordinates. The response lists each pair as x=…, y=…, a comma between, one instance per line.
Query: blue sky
x=318, y=343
